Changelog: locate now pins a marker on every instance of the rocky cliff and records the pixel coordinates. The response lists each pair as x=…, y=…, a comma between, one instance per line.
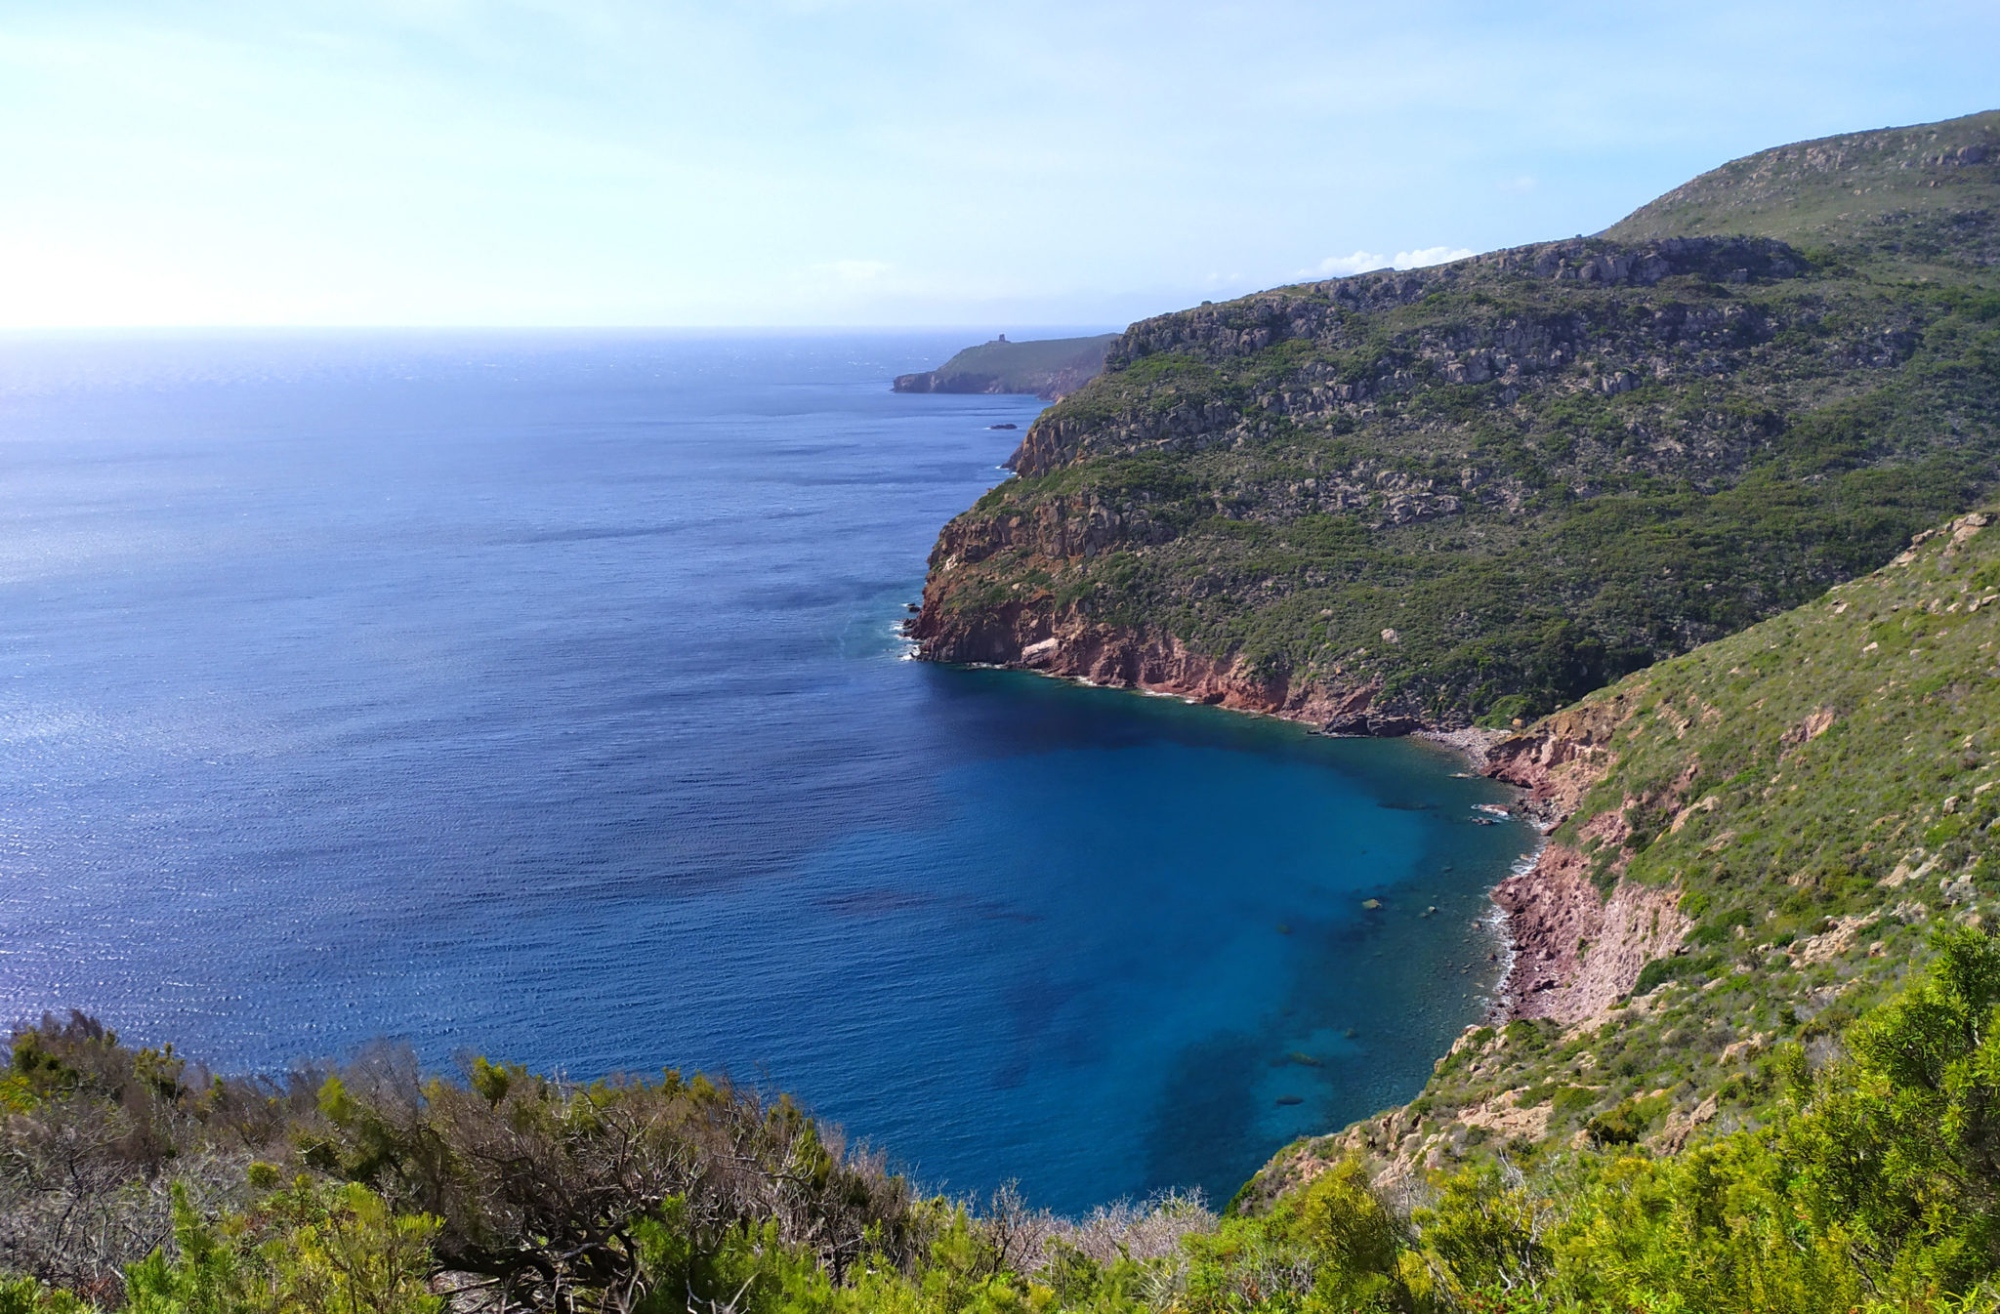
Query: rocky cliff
x=1475, y=492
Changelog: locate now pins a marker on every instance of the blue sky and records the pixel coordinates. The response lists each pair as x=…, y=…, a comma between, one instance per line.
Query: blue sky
x=873, y=162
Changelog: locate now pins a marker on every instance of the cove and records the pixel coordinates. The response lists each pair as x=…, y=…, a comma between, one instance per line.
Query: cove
x=540, y=695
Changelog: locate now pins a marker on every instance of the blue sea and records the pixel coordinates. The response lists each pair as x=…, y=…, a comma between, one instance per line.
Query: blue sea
x=542, y=695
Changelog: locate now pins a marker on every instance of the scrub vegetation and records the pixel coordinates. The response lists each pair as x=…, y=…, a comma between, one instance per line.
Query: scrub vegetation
x=1538, y=469
x=132, y=1184
x=1818, y=796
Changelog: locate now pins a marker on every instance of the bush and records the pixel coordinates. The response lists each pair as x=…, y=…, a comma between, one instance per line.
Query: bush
x=1620, y=1125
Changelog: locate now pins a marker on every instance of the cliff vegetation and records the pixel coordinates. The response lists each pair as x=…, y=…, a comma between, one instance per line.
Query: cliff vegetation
x=1476, y=492
x=1753, y=845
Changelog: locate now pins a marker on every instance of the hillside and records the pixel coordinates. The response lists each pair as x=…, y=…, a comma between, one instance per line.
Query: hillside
x=1755, y=842
x=1049, y=368
x=1474, y=493
x=1911, y=196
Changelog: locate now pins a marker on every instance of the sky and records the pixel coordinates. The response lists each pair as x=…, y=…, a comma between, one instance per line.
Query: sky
x=874, y=162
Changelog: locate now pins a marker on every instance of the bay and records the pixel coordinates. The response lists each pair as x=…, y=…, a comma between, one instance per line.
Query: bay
x=541, y=695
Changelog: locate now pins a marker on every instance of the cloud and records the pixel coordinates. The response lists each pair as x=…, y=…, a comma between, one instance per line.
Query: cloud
x=1362, y=262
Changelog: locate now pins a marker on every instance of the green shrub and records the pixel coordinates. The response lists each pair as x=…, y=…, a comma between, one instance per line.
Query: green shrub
x=1620, y=1125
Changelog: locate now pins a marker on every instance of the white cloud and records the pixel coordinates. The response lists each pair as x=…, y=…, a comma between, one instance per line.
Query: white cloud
x=1431, y=255
x=1362, y=262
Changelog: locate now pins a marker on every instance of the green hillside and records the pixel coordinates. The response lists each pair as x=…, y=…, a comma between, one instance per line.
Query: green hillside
x=1478, y=491
x=1815, y=796
x=1909, y=197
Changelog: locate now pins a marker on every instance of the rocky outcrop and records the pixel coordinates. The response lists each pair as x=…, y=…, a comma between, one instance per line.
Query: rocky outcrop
x=1036, y=635
x=1577, y=950
x=1033, y=629
x=1573, y=348
x=1058, y=530
x=1559, y=758
x=1316, y=310
x=1049, y=385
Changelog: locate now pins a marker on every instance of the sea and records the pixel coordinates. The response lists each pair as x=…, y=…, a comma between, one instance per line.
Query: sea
x=543, y=695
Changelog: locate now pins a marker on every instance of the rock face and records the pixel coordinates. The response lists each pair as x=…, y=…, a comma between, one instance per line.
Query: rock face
x=1560, y=757
x=1521, y=354
x=1049, y=385
x=1577, y=949
x=1577, y=952
x=1069, y=644
x=1475, y=492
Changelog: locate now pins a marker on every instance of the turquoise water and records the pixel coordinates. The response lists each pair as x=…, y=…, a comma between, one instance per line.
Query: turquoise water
x=541, y=696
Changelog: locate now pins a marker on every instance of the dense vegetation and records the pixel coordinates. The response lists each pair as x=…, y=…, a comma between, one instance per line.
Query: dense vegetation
x=1871, y=1187
x=1489, y=487
x=1818, y=794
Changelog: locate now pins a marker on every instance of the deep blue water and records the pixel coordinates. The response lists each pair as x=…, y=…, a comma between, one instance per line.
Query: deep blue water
x=541, y=695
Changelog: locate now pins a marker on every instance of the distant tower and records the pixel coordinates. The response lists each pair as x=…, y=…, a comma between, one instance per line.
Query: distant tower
x=1001, y=338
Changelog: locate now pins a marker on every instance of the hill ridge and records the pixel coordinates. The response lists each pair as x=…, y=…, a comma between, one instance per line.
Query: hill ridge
x=1883, y=189
x=1469, y=494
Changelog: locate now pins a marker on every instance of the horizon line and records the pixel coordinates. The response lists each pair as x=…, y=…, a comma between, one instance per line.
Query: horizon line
x=7, y=331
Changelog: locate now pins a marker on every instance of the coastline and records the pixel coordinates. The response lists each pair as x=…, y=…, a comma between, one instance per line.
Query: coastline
x=1011, y=637
x=1534, y=907
x=1547, y=912
x=1474, y=744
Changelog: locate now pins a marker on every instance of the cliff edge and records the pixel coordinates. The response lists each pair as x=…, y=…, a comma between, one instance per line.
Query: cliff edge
x=1473, y=493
